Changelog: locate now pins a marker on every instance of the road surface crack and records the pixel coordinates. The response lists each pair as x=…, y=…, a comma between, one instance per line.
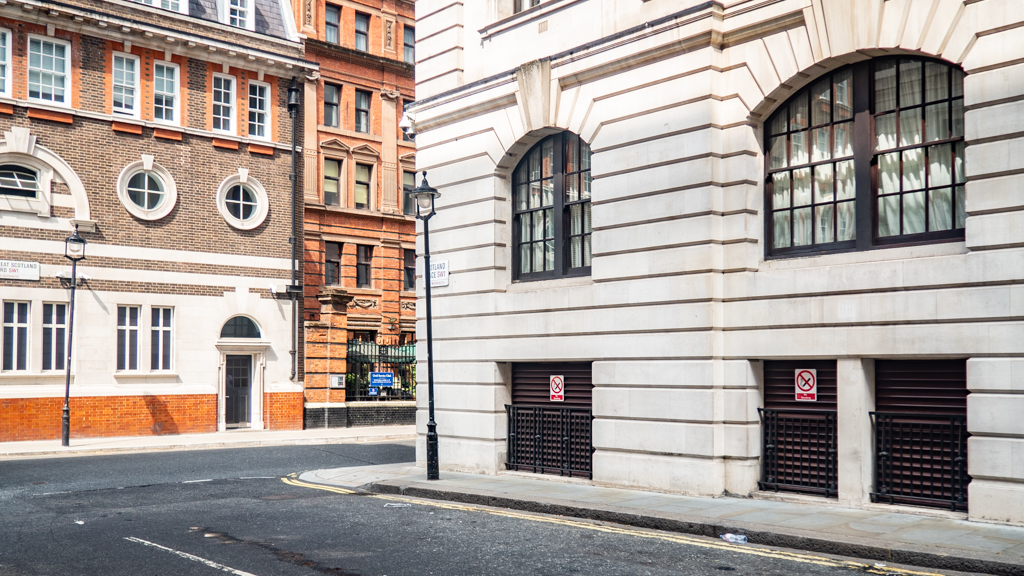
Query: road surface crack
x=281, y=554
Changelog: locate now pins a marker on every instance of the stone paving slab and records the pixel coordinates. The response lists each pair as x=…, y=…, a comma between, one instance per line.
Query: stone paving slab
x=230, y=439
x=876, y=534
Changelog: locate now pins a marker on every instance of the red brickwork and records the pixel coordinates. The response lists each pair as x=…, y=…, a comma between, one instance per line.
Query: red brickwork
x=101, y=416
x=283, y=410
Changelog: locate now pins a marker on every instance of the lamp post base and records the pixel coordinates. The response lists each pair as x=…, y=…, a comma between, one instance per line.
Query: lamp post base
x=433, y=469
x=65, y=435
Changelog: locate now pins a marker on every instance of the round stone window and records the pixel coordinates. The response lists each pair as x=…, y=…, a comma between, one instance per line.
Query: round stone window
x=242, y=201
x=147, y=190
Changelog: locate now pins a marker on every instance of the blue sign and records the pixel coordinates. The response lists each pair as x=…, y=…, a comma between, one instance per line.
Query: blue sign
x=382, y=379
x=373, y=391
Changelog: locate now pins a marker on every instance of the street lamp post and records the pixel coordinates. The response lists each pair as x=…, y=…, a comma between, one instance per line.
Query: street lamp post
x=425, y=196
x=74, y=250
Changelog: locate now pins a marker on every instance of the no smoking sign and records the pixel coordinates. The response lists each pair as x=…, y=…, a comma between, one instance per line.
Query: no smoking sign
x=806, y=385
x=557, y=389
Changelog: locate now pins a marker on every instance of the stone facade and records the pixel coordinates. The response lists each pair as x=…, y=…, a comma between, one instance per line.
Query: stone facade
x=682, y=304
x=335, y=148
x=187, y=254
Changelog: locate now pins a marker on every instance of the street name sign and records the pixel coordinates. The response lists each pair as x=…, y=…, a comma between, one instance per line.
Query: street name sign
x=557, y=384
x=16, y=270
x=806, y=385
x=438, y=273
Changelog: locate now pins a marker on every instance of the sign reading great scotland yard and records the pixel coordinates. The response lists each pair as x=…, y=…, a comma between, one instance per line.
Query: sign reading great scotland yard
x=438, y=273
x=806, y=385
x=15, y=270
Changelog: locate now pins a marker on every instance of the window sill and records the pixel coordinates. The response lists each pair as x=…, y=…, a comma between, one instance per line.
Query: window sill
x=555, y=283
x=524, y=17
x=35, y=376
x=349, y=133
x=144, y=375
x=878, y=254
x=365, y=291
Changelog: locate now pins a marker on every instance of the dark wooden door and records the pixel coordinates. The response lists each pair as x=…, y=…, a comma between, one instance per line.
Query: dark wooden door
x=238, y=391
x=545, y=436
x=799, y=438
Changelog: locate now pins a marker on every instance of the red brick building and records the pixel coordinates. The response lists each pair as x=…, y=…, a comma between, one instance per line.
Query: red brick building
x=159, y=129
x=359, y=226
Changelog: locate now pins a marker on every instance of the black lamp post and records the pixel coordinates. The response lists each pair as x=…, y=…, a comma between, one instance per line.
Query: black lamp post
x=74, y=250
x=425, y=196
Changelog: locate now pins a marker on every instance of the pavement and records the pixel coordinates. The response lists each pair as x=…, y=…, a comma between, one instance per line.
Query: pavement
x=229, y=439
x=882, y=533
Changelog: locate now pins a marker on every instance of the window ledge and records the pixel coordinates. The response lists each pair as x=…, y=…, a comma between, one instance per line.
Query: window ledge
x=878, y=254
x=535, y=285
x=364, y=291
x=144, y=375
x=526, y=16
x=350, y=133
x=35, y=376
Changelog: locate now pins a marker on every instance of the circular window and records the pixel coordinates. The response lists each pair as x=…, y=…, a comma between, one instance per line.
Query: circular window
x=147, y=190
x=242, y=201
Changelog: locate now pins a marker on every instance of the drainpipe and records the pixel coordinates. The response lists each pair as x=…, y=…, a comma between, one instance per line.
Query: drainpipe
x=294, y=291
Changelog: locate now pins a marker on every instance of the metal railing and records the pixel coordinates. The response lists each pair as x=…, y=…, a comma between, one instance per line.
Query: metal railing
x=550, y=440
x=798, y=451
x=921, y=459
x=366, y=357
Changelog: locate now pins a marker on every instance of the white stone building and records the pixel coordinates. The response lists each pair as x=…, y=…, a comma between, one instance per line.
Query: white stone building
x=776, y=186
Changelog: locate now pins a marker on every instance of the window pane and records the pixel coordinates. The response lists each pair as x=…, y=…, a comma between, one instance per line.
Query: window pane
x=958, y=164
x=910, y=127
x=575, y=252
x=798, y=113
x=798, y=148
x=524, y=258
x=936, y=122
x=910, y=83
x=801, y=187
x=538, y=225
x=780, y=234
x=535, y=195
x=522, y=196
x=889, y=215
x=847, y=221
x=780, y=190
x=823, y=216
x=885, y=86
x=548, y=190
x=549, y=255
x=940, y=209
x=821, y=146
x=958, y=118
x=572, y=187
x=778, y=125
x=547, y=157
x=843, y=89
x=957, y=82
x=572, y=143
x=936, y=82
x=843, y=139
x=885, y=132
x=889, y=173
x=802, y=227
x=575, y=219
x=913, y=213
x=535, y=164
x=845, y=180
x=777, y=155
x=538, y=256
x=823, y=190
x=940, y=169
x=821, y=102
x=913, y=169
x=961, y=209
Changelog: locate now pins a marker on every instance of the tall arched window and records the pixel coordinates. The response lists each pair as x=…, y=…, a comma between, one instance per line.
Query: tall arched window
x=552, y=229
x=869, y=155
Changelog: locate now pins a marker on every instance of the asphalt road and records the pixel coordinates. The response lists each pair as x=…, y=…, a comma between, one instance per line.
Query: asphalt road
x=229, y=512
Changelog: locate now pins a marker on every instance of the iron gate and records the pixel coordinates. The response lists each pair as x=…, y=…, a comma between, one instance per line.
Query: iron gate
x=547, y=440
x=799, y=451
x=921, y=459
x=383, y=355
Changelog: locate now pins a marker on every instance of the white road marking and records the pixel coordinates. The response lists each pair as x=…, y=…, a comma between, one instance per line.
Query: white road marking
x=194, y=481
x=188, y=556
x=256, y=477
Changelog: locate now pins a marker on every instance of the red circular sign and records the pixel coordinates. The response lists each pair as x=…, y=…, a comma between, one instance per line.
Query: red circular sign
x=556, y=385
x=805, y=380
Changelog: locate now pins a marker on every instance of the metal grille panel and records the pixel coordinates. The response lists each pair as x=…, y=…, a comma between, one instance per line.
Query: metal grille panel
x=549, y=440
x=799, y=451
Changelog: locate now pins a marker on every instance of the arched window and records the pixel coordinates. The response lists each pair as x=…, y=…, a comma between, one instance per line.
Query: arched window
x=866, y=156
x=552, y=230
x=240, y=327
x=18, y=181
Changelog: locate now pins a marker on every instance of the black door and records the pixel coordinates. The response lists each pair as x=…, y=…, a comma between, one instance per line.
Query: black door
x=238, y=390
x=550, y=437
x=798, y=438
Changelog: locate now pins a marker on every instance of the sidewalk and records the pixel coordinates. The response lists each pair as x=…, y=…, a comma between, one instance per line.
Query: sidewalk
x=230, y=439
x=881, y=533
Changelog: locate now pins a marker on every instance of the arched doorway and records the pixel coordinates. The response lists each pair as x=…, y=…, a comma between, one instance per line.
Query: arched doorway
x=242, y=359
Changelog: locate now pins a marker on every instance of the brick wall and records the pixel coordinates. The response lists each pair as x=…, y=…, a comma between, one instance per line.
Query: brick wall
x=283, y=410
x=103, y=416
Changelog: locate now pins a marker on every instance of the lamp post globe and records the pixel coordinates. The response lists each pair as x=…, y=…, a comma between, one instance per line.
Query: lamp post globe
x=425, y=196
x=74, y=250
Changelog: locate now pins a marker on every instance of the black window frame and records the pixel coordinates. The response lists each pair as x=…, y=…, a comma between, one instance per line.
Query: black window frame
x=333, y=252
x=332, y=27
x=363, y=114
x=364, y=266
x=369, y=189
x=334, y=105
x=560, y=211
x=409, y=50
x=866, y=159
x=409, y=257
x=363, y=35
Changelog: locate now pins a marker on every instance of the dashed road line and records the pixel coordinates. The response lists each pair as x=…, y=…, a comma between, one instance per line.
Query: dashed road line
x=188, y=556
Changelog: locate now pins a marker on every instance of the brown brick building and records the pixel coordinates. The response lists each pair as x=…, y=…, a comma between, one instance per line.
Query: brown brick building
x=161, y=130
x=359, y=227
